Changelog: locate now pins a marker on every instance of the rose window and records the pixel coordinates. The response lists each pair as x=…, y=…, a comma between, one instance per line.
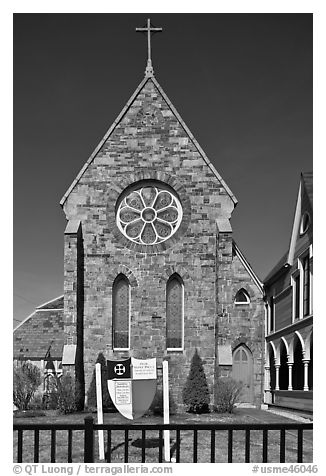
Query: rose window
x=149, y=215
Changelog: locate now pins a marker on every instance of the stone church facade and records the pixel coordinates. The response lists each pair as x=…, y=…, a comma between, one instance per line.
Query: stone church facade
x=150, y=265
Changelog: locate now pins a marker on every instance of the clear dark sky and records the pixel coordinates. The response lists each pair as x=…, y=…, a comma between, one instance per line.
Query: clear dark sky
x=241, y=82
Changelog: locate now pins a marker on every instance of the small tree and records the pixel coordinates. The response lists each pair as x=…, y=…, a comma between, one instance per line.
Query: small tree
x=195, y=393
x=26, y=380
x=227, y=394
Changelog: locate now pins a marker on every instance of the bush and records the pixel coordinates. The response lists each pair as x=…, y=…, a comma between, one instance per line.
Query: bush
x=195, y=393
x=227, y=394
x=36, y=403
x=65, y=389
x=51, y=398
x=26, y=380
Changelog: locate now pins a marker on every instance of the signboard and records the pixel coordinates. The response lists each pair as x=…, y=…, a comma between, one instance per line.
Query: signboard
x=69, y=354
x=132, y=385
x=122, y=392
x=143, y=369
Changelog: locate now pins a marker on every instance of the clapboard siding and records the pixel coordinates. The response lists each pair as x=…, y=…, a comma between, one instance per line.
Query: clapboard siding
x=302, y=245
x=283, y=309
x=281, y=284
x=299, y=400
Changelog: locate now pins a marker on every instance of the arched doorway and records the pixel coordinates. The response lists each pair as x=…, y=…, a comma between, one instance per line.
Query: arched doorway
x=242, y=372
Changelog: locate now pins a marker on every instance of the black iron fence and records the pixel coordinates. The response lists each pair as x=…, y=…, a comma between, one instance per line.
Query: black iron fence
x=89, y=429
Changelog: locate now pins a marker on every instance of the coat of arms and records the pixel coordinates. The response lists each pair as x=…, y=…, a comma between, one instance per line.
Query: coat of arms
x=132, y=385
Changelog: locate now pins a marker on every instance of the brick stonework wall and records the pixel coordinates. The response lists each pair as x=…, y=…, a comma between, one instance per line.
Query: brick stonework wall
x=150, y=143
x=239, y=324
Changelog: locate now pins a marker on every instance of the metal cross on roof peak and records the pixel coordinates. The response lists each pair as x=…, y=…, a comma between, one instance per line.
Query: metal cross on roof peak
x=149, y=30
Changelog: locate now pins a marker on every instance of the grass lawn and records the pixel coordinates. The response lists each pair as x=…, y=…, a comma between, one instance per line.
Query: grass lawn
x=152, y=450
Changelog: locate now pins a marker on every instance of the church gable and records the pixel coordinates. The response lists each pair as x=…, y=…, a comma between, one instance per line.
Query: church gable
x=148, y=133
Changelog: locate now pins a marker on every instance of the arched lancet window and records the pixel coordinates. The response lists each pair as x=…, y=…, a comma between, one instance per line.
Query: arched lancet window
x=174, y=313
x=121, y=312
x=242, y=297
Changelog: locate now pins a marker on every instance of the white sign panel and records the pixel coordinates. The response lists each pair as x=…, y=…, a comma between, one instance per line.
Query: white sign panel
x=122, y=392
x=69, y=354
x=143, y=369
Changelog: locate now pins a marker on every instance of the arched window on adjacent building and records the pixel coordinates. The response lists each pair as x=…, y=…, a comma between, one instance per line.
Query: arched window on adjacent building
x=174, y=313
x=242, y=297
x=121, y=312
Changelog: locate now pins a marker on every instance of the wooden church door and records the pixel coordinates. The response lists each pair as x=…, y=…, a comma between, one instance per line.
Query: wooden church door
x=242, y=372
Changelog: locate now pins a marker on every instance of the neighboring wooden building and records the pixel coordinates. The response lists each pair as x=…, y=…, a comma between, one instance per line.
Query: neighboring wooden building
x=289, y=323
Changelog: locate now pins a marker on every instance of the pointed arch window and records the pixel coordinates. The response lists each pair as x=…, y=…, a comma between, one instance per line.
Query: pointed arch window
x=174, y=313
x=121, y=312
x=242, y=297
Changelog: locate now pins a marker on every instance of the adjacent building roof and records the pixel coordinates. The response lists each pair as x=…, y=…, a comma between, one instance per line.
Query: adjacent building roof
x=279, y=265
x=41, y=334
x=306, y=182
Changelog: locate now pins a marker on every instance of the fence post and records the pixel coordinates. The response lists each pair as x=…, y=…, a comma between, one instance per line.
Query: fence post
x=89, y=440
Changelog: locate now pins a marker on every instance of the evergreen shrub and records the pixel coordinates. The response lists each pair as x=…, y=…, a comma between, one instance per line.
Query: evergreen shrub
x=195, y=393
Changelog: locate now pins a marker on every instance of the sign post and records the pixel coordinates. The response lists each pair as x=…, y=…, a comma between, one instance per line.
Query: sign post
x=99, y=409
x=166, y=412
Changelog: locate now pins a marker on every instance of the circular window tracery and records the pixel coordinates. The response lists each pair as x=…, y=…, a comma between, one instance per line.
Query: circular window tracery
x=149, y=214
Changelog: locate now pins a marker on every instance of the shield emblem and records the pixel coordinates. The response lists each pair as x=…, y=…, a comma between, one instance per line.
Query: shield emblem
x=132, y=385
